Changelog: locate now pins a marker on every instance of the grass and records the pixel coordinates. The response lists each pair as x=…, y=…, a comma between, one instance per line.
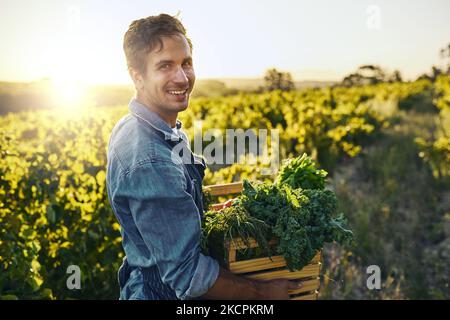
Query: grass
x=397, y=211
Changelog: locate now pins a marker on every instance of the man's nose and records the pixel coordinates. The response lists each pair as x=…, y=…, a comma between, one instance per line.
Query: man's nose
x=180, y=76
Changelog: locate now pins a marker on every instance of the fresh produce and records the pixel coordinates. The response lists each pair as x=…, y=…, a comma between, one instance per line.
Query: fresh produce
x=301, y=173
x=302, y=219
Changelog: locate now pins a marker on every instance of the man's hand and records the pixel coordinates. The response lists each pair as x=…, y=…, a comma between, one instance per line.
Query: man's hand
x=230, y=286
x=277, y=289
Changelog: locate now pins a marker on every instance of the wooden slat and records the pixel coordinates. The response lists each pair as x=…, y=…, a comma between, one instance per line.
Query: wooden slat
x=312, y=296
x=263, y=264
x=231, y=256
x=317, y=258
x=309, y=285
x=311, y=270
x=257, y=264
x=224, y=189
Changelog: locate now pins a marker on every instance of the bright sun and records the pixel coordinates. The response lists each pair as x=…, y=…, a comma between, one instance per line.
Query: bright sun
x=69, y=94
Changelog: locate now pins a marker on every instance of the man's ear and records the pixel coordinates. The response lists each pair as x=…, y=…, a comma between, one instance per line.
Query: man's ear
x=137, y=78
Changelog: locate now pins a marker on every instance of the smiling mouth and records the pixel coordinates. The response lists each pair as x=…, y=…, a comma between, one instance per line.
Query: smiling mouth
x=178, y=92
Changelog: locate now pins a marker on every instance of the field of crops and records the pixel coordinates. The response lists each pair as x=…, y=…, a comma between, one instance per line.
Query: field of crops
x=54, y=210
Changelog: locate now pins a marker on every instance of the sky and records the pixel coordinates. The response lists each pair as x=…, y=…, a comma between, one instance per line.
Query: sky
x=314, y=40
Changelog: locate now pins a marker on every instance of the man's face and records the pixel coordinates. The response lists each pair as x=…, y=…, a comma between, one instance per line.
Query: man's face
x=169, y=77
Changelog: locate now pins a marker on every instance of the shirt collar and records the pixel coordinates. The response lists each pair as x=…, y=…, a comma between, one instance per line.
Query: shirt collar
x=153, y=119
x=142, y=112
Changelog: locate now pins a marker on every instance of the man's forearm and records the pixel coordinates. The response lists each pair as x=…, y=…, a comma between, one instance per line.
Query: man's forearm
x=230, y=286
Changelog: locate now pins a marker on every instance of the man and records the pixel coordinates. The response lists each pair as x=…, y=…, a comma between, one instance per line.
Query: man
x=155, y=197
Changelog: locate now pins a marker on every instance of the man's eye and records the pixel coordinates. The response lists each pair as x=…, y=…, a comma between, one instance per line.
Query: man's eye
x=188, y=64
x=164, y=66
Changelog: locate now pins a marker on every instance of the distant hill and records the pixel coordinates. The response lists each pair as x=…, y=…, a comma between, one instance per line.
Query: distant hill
x=21, y=96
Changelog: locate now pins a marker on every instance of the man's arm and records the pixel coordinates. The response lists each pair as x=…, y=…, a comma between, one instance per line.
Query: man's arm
x=168, y=221
x=229, y=286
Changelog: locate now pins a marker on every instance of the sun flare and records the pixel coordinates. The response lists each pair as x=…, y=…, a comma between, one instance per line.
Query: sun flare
x=69, y=94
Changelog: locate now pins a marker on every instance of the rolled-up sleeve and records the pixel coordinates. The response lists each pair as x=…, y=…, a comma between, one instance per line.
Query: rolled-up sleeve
x=169, y=223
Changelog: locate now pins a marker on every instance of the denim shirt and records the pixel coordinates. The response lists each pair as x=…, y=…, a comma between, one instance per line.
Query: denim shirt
x=157, y=200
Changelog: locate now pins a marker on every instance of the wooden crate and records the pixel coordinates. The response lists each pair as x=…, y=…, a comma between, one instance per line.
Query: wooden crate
x=268, y=268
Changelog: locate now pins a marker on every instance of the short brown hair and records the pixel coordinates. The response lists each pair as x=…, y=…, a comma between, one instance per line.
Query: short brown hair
x=144, y=34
